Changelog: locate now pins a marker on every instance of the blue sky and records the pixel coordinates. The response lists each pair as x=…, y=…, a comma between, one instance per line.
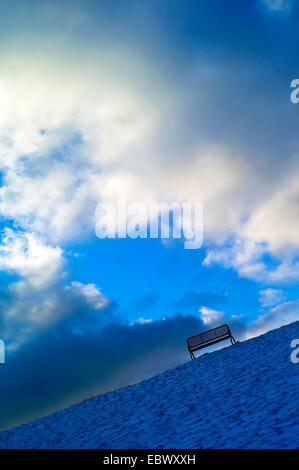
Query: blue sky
x=140, y=102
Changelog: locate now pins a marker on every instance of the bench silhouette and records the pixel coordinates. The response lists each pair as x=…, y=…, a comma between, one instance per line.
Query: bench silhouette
x=207, y=338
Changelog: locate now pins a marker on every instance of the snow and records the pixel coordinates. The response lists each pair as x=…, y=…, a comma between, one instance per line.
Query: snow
x=242, y=396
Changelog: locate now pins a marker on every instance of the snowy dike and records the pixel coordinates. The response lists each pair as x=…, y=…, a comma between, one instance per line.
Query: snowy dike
x=242, y=396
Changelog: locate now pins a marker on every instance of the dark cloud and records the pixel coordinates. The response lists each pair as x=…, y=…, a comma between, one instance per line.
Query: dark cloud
x=62, y=366
x=67, y=363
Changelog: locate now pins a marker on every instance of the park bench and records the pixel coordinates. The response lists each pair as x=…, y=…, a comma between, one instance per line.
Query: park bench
x=207, y=338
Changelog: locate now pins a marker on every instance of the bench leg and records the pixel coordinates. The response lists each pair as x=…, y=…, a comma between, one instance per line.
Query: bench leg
x=192, y=355
x=232, y=339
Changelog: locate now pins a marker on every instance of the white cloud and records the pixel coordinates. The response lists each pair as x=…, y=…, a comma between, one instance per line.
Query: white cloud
x=243, y=255
x=270, y=297
x=271, y=318
x=276, y=218
x=91, y=294
x=280, y=6
x=142, y=321
x=29, y=308
x=61, y=130
x=282, y=314
x=76, y=133
x=73, y=136
x=247, y=257
x=53, y=203
x=27, y=255
x=287, y=272
x=210, y=317
x=97, y=145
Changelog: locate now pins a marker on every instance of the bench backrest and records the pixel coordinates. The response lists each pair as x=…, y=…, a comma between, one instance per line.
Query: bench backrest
x=208, y=336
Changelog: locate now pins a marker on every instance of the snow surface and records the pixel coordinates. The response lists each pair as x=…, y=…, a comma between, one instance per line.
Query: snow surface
x=242, y=396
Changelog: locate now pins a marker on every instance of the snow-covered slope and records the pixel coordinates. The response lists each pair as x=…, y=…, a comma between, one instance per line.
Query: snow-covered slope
x=242, y=396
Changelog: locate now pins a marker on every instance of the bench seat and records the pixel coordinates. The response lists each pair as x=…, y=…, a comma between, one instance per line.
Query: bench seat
x=207, y=338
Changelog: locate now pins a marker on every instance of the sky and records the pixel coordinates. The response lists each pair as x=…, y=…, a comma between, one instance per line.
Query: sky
x=107, y=101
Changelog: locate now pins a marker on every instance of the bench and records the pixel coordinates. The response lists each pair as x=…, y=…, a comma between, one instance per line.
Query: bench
x=208, y=338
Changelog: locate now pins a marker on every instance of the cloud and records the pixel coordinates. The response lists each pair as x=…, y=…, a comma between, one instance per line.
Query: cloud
x=54, y=179
x=60, y=128
x=282, y=314
x=244, y=256
x=29, y=310
x=278, y=6
x=271, y=318
x=27, y=255
x=255, y=261
x=270, y=297
x=142, y=321
x=275, y=220
x=92, y=295
x=209, y=316
x=36, y=294
x=62, y=366
x=73, y=136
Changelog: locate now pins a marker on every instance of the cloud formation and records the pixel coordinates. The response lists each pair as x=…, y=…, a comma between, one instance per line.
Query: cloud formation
x=67, y=363
x=59, y=161
x=270, y=297
x=27, y=255
x=280, y=6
